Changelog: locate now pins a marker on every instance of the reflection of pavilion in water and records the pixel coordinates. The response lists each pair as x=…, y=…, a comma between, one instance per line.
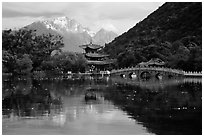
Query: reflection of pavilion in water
x=75, y=110
x=44, y=105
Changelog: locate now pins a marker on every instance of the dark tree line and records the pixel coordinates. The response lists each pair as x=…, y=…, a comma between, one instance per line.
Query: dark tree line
x=24, y=52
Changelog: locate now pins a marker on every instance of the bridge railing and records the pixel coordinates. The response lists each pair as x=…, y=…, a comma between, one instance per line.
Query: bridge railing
x=192, y=73
x=163, y=69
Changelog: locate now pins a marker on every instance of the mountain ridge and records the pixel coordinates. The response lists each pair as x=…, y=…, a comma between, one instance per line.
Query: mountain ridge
x=172, y=33
x=73, y=33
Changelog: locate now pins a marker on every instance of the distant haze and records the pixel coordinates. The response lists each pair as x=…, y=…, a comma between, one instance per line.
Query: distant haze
x=113, y=16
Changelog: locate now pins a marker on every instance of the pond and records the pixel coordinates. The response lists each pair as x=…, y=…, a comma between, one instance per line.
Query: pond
x=121, y=106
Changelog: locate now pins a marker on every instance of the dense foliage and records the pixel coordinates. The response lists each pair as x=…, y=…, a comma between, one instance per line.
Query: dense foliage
x=24, y=52
x=64, y=62
x=172, y=33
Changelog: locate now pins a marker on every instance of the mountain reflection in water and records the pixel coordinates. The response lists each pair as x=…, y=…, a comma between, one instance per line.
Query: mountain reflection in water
x=122, y=106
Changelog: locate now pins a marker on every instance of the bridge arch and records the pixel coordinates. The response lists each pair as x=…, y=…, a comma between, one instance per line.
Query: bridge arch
x=170, y=75
x=145, y=75
x=132, y=75
x=122, y=75
x=159, y=76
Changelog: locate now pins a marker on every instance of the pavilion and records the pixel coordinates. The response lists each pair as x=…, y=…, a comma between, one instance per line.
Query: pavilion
x=96, y=61
x=154, y=62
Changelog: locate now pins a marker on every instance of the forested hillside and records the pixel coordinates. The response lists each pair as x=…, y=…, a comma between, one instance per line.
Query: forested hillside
x=172, y=33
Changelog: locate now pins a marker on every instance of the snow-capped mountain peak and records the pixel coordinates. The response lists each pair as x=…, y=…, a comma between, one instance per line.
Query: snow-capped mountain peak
x=65, y=24
x=72, y=32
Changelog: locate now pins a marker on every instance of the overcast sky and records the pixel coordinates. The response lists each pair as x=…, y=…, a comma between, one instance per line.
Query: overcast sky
x=115, y=16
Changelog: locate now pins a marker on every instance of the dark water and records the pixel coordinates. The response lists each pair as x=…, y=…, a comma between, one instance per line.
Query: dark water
x=121, y=107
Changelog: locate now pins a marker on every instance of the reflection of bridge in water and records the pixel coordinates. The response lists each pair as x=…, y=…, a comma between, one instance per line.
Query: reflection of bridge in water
x=175, y=109
x=158, y=72
x=155, y=84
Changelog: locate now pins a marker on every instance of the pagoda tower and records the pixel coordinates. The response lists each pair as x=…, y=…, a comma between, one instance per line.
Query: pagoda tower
x=96, y=61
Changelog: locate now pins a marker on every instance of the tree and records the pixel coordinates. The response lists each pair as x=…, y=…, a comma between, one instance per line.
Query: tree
x=66, y=61
x=23, y=65
x=23, y=41
x=8, y=61
x=126, y=59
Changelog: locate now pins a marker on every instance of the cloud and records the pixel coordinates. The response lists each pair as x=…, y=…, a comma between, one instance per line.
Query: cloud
x=118, y=10
x=35, y=9
x=116, y=16
x=118, y=26
x=110, y=27
x=8, y=23
x=11, y=13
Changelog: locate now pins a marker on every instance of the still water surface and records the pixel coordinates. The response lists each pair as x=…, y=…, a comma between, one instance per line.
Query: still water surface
x=121, y=107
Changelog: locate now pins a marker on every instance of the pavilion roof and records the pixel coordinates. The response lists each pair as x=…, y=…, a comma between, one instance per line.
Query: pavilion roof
x=104, y=62
x=154, y=61
x=96, y=55
x=91, y=46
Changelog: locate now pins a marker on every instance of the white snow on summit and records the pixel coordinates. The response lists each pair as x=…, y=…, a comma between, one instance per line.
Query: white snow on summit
x=64, y=24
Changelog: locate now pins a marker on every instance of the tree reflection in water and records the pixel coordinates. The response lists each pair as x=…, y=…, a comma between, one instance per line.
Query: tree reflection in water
x=32, y=103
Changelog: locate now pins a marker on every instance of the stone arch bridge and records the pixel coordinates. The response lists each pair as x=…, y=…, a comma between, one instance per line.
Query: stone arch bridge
x=147, y=72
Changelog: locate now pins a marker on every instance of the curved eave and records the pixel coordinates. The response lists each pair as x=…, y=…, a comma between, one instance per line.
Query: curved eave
x=91, y=46
x=155, y=63
x=83, y=46
x=95, y=55
x=90, y=62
